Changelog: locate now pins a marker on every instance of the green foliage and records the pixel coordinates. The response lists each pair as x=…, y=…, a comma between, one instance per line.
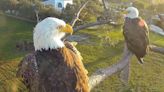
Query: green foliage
x=99, y=56
x=8, y=80
x=88, y=14
x=48, y=11
x=157, y=39
x=139, y=4
x=69, y=12
x=93, y=9
x=159, y=7
x=143, y=78
x=27, y=8
x=159, y=24
x=7, y=4
x=97, y=53
x=11, y=32
x=105, y=35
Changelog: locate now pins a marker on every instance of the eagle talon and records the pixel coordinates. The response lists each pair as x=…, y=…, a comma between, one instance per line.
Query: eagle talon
x=141, y=61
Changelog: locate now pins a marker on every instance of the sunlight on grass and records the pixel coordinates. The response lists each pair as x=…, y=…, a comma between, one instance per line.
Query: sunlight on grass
x=104, y=48
x=11, y=32
x=157, y=39
x=8, y=80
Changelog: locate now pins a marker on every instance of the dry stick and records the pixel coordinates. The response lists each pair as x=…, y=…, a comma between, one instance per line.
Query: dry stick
x=94, y=24
x=77, y=14
x=105, y=4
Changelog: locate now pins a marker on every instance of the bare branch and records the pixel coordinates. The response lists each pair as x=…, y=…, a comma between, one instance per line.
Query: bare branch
x=84, y=26
x=37, y=16
x=95, y=24
x=100, y=75
x=77, y=14
x=124, y=74
x=157, y=49
x=105, y=4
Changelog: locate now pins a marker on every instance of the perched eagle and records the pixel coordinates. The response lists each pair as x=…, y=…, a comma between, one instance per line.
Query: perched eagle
x=54, y=66
x=136, y=33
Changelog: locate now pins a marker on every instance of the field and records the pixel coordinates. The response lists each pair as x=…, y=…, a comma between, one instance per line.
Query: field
x=102, y=48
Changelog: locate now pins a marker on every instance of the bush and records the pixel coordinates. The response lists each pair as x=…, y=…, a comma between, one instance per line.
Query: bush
x=88, y=14
x=27, y=8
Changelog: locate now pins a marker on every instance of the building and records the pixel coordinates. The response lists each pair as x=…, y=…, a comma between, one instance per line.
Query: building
x=58, y=4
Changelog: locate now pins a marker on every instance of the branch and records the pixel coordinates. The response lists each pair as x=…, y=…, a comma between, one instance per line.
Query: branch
x=102, y=74
x=80, y=27
x=161, y=17
x=77, y=14
x=95, y=24
x=157, y=49
x=105, y=4
x=37, y=16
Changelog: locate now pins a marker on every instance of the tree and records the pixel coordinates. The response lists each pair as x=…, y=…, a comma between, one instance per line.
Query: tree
x=27, y=8
x=89, y=13
x=122, y=65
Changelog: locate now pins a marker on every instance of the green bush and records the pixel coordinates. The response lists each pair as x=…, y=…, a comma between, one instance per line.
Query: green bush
x=27, y=8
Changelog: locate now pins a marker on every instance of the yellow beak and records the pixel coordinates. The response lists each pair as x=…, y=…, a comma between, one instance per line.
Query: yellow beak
x=67, y=29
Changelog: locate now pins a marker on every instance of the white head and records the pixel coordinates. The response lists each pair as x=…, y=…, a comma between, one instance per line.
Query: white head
x=49, y=32
x=132, y=12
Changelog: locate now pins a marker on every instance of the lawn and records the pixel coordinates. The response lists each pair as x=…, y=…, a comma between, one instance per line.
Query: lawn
x=13, y=31
x=103, y=48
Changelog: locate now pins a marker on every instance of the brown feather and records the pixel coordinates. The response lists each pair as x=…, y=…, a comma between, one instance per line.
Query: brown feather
x=58, y=70
x=136, y=36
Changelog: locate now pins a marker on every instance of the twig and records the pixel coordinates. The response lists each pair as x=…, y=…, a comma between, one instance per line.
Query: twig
x=95, y=24
x=105, y=4
x=76, y=17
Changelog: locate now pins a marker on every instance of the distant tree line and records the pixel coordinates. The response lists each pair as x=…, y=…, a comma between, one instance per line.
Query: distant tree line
x=27, y=8
x=93, y=11
x=90, y=13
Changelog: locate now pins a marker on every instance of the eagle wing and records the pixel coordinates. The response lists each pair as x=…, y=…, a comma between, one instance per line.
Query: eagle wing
x=59, y=70
x=70, y=46
x=136, y=34
x=27, y=70
x=80, y=71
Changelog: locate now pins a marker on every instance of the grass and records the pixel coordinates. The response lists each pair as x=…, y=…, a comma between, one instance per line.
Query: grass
x=143, y=78
x=13, y=31
x=157, y=39
x=103, y=48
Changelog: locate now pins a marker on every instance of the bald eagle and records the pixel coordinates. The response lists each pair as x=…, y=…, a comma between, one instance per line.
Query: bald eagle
x=136, y=33
x=54, y=66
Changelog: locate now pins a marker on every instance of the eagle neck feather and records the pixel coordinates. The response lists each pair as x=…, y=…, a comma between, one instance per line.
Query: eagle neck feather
x=48, y=43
